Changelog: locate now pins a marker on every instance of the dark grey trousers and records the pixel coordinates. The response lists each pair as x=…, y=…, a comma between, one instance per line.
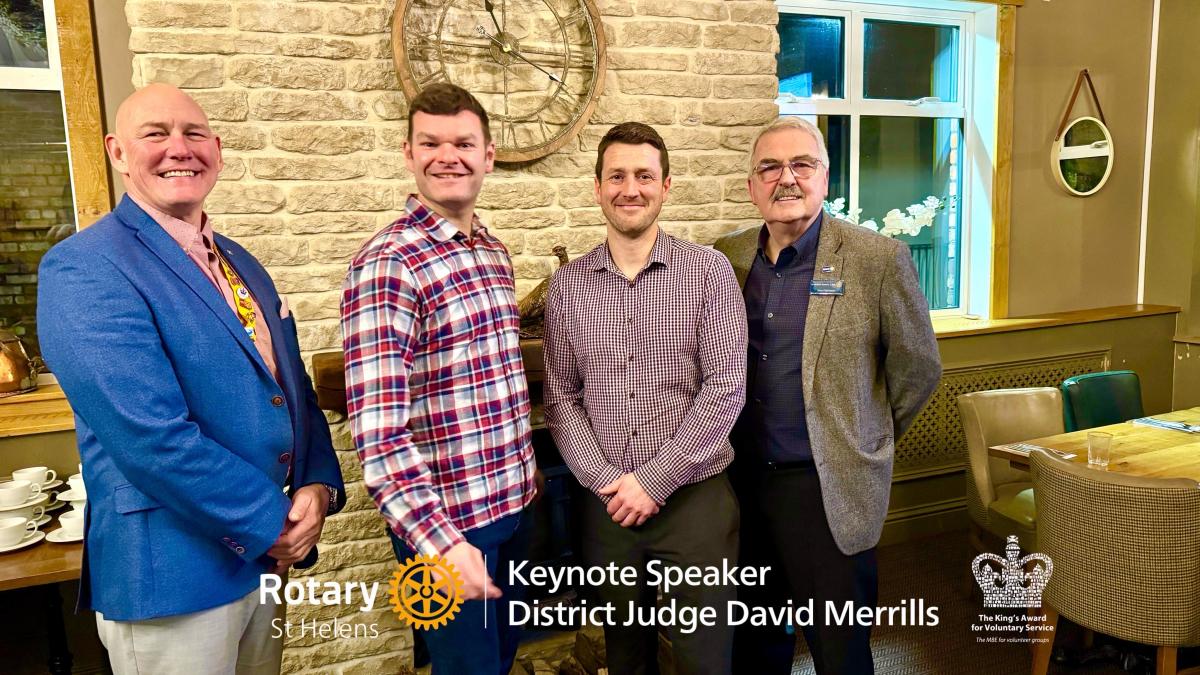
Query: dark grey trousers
x=698, y=526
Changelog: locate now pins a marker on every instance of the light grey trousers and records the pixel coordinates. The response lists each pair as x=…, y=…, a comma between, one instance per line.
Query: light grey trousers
x=233, y=639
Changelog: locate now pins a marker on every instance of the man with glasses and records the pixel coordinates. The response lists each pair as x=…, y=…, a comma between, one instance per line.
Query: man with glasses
x=841, y=358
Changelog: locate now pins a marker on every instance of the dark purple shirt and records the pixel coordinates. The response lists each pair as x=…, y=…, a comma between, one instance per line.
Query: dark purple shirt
x=645, y=376
x=776, y=307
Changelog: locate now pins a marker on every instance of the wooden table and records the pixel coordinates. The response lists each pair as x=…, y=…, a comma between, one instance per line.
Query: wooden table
x=1136, y=450
x=44, y=565
x=38, y=412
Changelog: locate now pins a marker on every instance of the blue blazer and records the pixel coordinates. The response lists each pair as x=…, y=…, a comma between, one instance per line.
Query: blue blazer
x=185, y=436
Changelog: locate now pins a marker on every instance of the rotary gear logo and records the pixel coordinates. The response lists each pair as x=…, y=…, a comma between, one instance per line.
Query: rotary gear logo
x=426, y=591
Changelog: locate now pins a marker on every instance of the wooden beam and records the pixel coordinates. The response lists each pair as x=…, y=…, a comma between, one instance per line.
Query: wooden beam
x=1002, y=178
x=81, y=99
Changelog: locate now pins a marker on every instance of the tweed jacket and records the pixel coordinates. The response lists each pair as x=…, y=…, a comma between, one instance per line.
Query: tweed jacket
x=870, y=364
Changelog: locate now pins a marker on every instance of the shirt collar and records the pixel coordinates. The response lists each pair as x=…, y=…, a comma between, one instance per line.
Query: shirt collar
x=184, y=233
x=806, y=245
x=437, y=227
x=660, y=253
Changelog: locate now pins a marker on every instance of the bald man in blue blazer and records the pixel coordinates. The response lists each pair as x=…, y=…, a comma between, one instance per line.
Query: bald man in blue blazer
x=207, y=461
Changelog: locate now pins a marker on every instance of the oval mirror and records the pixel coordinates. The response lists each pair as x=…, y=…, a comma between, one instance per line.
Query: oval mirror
x=1082, y=159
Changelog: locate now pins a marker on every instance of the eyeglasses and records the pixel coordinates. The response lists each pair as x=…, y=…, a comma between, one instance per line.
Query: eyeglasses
x=769, y=172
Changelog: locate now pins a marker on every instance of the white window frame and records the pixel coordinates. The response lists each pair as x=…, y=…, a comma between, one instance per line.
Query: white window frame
x=47, y=79
x=38, y=79
x=978, y=76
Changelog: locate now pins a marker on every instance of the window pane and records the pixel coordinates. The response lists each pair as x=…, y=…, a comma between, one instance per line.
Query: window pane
x=37, y=208
x=910, y=60
x=903, y=161
x=810, y=60
x=836, y=129
x=23, y=34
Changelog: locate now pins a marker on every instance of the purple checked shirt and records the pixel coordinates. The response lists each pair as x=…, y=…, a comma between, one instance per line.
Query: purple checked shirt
x=645, y=376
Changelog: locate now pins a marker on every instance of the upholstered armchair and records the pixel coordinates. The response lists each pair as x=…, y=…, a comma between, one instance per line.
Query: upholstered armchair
x=1000, y=498
x=1125, y=555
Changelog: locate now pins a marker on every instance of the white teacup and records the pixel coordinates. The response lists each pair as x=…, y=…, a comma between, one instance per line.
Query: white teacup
x=17, y=492
x=76, y=484
x=29, y=512
x=35, y=474
x=13, y=530
x=75, y=499
x=72, y=523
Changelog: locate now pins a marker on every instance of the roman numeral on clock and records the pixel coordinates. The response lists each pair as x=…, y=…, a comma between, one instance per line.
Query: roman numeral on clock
x=508, y=134
x=579, y=16
x=436, y=76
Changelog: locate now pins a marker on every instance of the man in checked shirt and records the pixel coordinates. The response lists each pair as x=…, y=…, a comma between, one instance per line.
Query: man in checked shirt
x=435, y=386
x=645, y=374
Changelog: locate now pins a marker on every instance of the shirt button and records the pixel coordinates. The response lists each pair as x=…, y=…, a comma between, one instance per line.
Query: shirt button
x=634, y=434
x=764, y=357
x=631, y=357
x=758, y=400
x=276, y=401
x=285, y=458
x=770, y=315
x=240, y=550
x=631, y=394
x=778, y=275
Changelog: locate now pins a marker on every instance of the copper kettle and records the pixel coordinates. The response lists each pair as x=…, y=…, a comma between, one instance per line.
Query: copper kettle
x=18, y=372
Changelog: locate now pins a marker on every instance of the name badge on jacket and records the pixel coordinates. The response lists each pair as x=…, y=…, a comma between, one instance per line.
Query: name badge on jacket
x=826, y=287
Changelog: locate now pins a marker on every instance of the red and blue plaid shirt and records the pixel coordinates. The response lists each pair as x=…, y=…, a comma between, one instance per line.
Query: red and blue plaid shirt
x=435, y=386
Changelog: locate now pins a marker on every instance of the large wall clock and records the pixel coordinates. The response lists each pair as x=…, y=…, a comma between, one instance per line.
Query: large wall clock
x=537, y=66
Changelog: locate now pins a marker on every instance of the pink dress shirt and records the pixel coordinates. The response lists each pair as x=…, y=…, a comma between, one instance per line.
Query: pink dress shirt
x=198, y=244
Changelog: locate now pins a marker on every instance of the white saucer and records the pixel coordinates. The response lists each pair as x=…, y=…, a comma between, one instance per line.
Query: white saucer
x=43, y=520
x=60, y=537
x=32, y=501
x=31, y=538
x=71, y=496
x=49, y=485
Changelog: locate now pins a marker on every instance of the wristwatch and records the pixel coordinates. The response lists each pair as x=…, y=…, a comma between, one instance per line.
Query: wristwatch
x=333, y=495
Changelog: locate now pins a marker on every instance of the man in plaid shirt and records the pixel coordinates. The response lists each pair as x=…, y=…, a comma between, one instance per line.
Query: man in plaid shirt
x=435, y=385
x=645, y=375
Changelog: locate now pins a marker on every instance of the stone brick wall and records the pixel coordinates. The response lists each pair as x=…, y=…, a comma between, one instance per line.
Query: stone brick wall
x=36, y=205
x=306, y=100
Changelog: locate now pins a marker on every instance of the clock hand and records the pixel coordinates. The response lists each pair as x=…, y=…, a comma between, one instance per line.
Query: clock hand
x=487, y=4
x=509, y=50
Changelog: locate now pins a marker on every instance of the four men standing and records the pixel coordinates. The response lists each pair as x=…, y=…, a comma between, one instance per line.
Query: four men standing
x=645, y=341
